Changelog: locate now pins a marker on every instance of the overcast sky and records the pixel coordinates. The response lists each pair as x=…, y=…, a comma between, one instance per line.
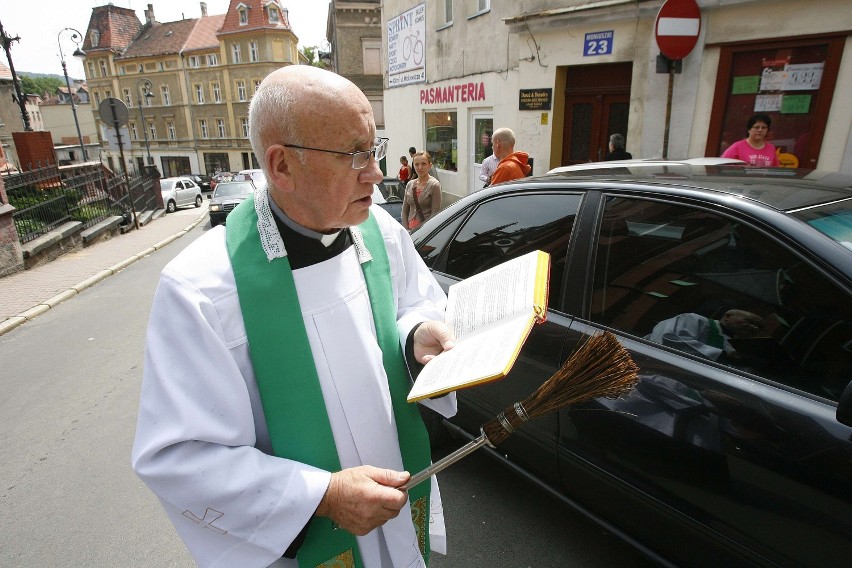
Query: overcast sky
x=38, y=23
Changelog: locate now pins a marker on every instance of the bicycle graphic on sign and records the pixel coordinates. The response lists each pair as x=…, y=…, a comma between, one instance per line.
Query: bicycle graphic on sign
x=413, y=45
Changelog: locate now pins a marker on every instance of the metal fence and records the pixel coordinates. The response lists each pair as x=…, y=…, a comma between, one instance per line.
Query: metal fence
x=48, y=196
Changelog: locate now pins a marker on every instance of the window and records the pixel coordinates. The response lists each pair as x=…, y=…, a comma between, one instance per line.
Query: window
x=121, y=70
x=442, y=139
x=152, y=131
x=92, y=69
x=108, y=94
x=128, y=99
x=243, y=13
x=199, y=93
x=789, y=78
x=104, y=72
x=241, y=90
x=244, y=126
x=274, y=14
x=236, y=56
x=97, y=98
x=170, y=127
x=448, y=12
x=378, y=112
x=149, y=101
x=253, y=51
x=202, y=127
x=661, y=265
x=482, y=6
x=95, y=37
x=530, y=221
x=164, y=92
x=140, y=69
x=256, y=84
x=194, y=62
x=134, y=132
x=220, y=127
x=217, y=92
x=372, y=54
x=212, y=59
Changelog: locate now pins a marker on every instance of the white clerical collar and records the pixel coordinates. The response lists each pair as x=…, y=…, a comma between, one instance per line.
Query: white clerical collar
x=325, y=239
x=270, y=238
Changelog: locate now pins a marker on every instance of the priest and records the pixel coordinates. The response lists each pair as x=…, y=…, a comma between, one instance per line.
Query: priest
x=273, y=425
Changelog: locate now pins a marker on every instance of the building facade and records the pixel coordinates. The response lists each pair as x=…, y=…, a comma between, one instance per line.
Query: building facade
x=564, y=75
x=186, y=84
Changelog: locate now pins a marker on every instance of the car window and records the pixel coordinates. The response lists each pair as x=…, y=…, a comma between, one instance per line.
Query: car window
x=179, y=185
x=506, y=227
x=710, y=286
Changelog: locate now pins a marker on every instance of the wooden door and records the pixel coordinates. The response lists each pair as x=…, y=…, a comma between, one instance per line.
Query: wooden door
x=597, y=104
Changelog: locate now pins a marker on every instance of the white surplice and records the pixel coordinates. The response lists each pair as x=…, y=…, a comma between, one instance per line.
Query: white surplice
x=201, y=443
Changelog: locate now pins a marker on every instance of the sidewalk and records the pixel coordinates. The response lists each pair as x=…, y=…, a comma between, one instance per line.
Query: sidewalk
x=28, y=293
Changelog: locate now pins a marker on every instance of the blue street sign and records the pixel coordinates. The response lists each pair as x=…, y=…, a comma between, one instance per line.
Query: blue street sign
x=598, y=43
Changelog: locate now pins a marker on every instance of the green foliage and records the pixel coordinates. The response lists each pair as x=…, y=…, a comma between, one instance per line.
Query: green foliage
x=32, y=85
x=311, y=53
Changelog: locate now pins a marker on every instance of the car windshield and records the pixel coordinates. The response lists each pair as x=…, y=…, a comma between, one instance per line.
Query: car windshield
x=167, y=183
x=833, y=220
x=233, y=189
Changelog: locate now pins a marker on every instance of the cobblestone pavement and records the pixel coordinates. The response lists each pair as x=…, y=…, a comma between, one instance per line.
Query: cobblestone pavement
x=28, y=293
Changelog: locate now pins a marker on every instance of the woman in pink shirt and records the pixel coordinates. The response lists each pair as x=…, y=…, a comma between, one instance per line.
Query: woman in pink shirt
x=755, y=150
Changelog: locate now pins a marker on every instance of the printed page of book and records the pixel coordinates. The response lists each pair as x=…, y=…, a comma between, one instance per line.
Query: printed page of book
x=483, y=355
x=497, y=293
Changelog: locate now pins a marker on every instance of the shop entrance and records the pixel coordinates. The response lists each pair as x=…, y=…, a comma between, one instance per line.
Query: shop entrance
x=597, y=104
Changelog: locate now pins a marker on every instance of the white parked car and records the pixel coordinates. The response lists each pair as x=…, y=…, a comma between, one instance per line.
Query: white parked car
x=257, y=176
x=180, y=191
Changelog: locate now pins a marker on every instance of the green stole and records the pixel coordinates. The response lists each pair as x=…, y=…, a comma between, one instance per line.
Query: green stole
x=714, y=335
x=288, y=383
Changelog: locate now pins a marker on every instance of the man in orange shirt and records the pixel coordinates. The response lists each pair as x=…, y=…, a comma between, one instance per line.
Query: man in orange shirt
x=513, y=165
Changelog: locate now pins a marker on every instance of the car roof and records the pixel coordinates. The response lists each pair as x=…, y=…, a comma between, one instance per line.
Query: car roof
x=783, y=189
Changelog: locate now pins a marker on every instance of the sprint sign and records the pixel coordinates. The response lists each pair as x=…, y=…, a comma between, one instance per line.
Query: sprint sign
x=677, y=27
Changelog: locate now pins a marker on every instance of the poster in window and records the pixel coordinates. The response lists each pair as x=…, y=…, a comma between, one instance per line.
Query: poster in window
x=803, y=77
x=767, y=103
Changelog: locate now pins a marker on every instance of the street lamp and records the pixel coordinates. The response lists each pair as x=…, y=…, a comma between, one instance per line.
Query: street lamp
x=146, y=85
x=77, y=38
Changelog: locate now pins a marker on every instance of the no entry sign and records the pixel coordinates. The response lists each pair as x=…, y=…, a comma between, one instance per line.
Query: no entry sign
x=677, y=27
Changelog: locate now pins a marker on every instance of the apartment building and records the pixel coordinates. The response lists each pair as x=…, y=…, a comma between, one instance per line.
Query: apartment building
x=187, y=84
x=565, y=74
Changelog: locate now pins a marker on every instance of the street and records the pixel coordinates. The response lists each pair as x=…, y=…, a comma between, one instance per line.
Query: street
x=71, y=381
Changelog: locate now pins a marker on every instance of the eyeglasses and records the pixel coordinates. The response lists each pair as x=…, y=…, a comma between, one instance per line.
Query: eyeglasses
x=361, y=159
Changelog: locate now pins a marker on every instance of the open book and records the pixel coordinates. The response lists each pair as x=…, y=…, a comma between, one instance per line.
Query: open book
x=491, y=315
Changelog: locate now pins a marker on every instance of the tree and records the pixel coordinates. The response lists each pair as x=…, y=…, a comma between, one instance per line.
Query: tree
x=311, y=53
x=34, y=85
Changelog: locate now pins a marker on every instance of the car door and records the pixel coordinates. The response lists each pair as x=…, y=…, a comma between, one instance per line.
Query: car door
x=190, y=190
x=493, y=230
x=733, y=452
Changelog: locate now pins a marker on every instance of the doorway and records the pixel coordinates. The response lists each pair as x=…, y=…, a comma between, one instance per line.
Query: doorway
x=597, y=105
x=481, y=128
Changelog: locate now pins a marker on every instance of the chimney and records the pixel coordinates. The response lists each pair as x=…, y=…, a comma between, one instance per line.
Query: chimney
x=149, y=15
x=203, y=9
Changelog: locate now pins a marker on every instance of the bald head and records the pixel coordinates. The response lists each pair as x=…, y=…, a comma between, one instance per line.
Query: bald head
x=503, y=142
x=293, y=103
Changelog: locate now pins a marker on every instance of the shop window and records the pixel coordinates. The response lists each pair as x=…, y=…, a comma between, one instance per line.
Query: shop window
x=442, y=139
x=791, y=81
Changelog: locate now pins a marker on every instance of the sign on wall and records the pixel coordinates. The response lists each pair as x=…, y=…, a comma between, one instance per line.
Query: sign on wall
x=407, y=47
x=598, y=43
x=534, y=99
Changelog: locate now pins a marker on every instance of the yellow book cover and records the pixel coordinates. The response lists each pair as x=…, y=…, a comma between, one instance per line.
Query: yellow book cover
x=491, y=315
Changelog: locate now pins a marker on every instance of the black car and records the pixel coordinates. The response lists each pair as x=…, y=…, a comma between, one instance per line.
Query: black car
x=731, y=451
x=226, y=196
x=202, y=180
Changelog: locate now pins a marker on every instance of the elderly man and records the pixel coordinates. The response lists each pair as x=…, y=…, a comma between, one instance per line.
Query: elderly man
x=512, y=165
x=706, y=337
x=273, y=424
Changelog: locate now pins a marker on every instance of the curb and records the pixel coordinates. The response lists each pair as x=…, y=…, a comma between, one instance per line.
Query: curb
x=14, y=321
